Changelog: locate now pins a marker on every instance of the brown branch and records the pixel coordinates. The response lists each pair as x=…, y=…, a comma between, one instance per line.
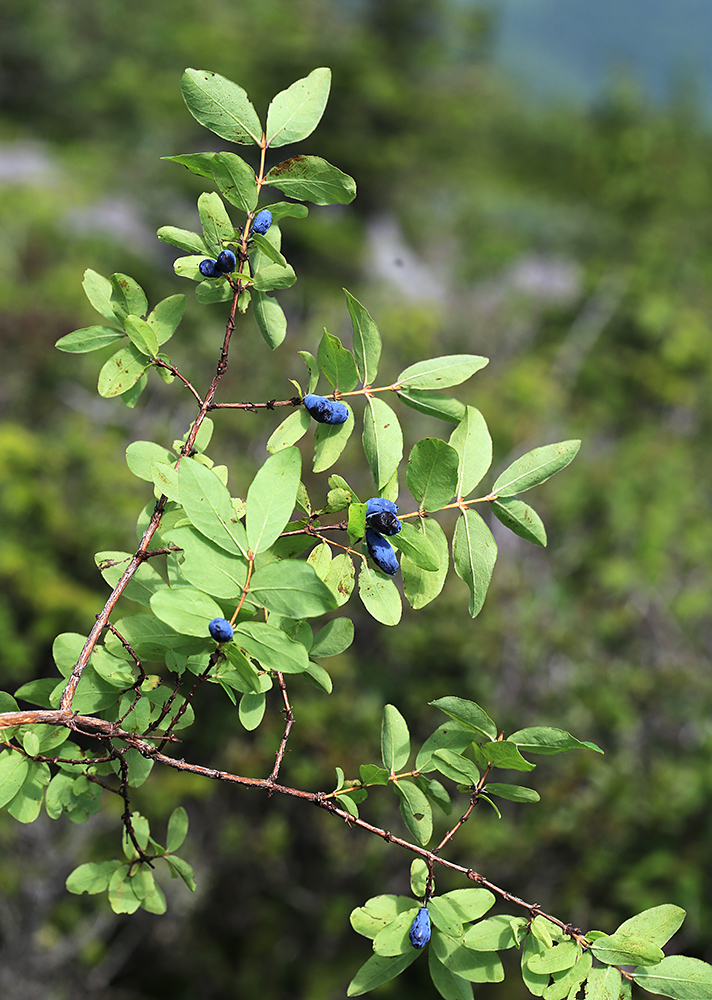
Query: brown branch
x=174, y=371
x=289, y=717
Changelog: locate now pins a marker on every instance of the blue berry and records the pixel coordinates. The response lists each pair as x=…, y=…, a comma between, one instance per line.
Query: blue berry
x=326, y=411
x=381, y=515
x=419, y=932
x=381, y=552
x=220, y=629
x=207, y=268
x=262, y=221
x=226, y=262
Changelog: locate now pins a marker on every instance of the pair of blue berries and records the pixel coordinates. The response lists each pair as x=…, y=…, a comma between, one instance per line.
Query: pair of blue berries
x=381, y=520
x=226, y=262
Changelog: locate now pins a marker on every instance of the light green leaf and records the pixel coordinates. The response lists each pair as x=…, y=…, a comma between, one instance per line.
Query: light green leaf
x=604, y=984
x=473, y=444
x=336, y=636
x=209, y=508
x=98, y=290
x=393, y=939
x=140, y=456
x=434, y=404
x=221, y=106
x=474, y=553
x=291, y=588
x=395, y=740
x=432, y=474
x=92, y=877
x=272, y=497
x=477, y=967
x=445, y=917
x=313, y=369
x=141, y=335
x=270, y=319
x=377, y=912
x=502, y=753
x=657, y=925
x=468, y=714
x=438, y=373
x=448, y=985
x=251, y=710
x=121, y=371
x=520, y=518
x=494, y=934
x=197, y=163
x=341, y=578
x=127, y=297
x=289, y=431
x=678, y=977
x=418, y=878
x=366, y=340
x=311, y=178
x=456, y=767
x=185, y=609
x=271, y=647
x=563, y=986
x=545, y=740
x=416, y=811
x=166, y=316
x=470, y=904
x=422, y=586
x=184, y=239
x=207, y=566
x=626, y=948
x=235, y=180
x=417, y=546
x=535, y=467
x=558, y=958
x=177, y=829
x=330, y=441
x=295, y=112
x=382, y=440
x=450, y=736
x=377, y=970
x=91, y=338
x=145, y=581
x=337, y=363
x=380, y=596
x=13, y=771
x=217, y=227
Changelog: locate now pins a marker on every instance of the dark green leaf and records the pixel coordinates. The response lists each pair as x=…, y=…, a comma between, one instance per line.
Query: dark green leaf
x=434, y=404
x=337, y=363
x=544, y=740
x=535, y=467
x=217, y=227
x=520, y=518
x=468, y=714
x=270, y=319
x=221, y=106
x=235, y=180
x=382, y=440
x=311, y=178
x=378, y=970
x=366, y=340
x=197, y=163
x=474, y=553
x=515, y=793
x=502, y=753
x=336, y=636
x=432, y=473
x=448, y=985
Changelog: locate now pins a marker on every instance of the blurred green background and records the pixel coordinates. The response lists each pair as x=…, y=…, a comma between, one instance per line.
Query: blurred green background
x=569, y=241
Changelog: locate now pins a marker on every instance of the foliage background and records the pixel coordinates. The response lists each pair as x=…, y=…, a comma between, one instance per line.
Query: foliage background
x=572, y=246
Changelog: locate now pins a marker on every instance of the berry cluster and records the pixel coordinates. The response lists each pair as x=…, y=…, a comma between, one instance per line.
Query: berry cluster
x=381, y=520
x=326, y=411
x=225, y=263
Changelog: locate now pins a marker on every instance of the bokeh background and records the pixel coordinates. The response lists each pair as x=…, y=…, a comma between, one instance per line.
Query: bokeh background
x=535, y=184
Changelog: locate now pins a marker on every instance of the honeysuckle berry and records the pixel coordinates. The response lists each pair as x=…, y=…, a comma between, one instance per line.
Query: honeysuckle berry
x=381, y=552
x=220, y=629
x=262, y=221
x=207, y=268
x=326, y=411
x=381, y=515
x=226, y=262
x=419, y=932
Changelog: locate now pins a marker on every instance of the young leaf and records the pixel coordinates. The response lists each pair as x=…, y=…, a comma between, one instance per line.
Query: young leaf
x=377, y=970
x=235, y=180
x=520, y=518
x=295, y=112
x=337, y=363
x=382, y=440
x=311, y=178
x=422, y=586
x=366, y=340
x=438, y=373
x=395, y=740
x=380, y=596
x=535, y=467
x=474, y=553
x=415, y=810
x=221, y=106
x=270, y=319
x=272, y=497
x=91, y=338
x=432, y=473
x=473, y=444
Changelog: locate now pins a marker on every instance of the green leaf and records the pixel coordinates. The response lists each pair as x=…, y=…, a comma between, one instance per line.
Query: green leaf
x=377, y=970
x=13, y=771
x=423, y=586
x=474, y=553
x=456, y=767
x=166, y=316
x=494, y=934
x=468, y=714
x=677, y=976
x=544, y=740
x=431, y=474
x=177, y=829
x=251, y=710
x=127, y=297
x=311, y=178
x=336, y=636
x=434, y=404
x=520, y=518
x=448, y=985
x=98, y=290
x=209, y=508
x=382, y=440
x=263, y=244
x=372, y=774
x=415, y=810
x=330, y=441
x=91, y=338
x=564, y=985
x=235, y=179
x=445, y=917
x=502, y=753
x=477, y=967
x=366, y=340
x=535, y=467
x=417, y=546
x=272, y=497
x=418, y=878
x=271, y=647
x=121, y=371
x=393, y=939
x=515, y=793
x=180, y=867
x=145, y=581
x=295, y=112
x=185, y=609
x=380, y=596
x=217, y=227
x=395, y=740
x=450, y=735
x=470, y=904
x=341, y=578
x=207, y=566
x=289, y=431
x=657, y=925
x=197, y=163
x=337, y=363
x=626, y=948
x=377, y=912
x=270, y=319
x=473, y=444
x=92, y=877
x=535, y=982
x=141, y=335
x=438, y=373
x=356, y=521
x=149, y=638
x=141, y=455
x=184, y=239
x=221, y=106
x=291, y=588
x=313, y=369
x=558, y=958
x=604, y=984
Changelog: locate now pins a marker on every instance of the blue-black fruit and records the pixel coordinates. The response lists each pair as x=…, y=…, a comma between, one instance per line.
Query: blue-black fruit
x=220, y=629
x=381, y=552
x=262, y=221
x=381, y=515
x=226, y=262
x=419, y=932
x=207, y=268
x=326, y=411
